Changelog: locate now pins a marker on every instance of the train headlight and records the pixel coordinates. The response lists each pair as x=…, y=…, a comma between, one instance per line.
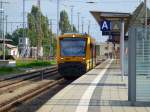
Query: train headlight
x=62, y=58
x=83, y=58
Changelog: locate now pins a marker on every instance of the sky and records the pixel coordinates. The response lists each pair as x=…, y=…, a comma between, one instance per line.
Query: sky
x=14, y=10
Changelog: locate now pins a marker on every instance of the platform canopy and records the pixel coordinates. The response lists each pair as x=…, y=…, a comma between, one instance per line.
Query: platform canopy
x=115, y=18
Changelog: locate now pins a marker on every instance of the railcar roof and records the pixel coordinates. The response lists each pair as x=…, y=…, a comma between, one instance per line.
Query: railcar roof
x=72, y=35
x=67, y=35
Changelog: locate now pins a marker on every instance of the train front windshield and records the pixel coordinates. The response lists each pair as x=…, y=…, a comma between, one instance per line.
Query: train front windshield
x=73, y=47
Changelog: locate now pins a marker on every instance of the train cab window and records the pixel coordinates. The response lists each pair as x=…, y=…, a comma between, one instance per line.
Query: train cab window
x=73, y=47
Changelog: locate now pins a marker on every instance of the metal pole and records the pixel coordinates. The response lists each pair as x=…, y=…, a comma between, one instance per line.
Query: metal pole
x=72, y=17
x=2, y=28
x=52, y=31
x=145, y=32
x=145, y=2
x=82, y=24
x=122, y=48
x=57, y=18
x=39, y=4
x=3, y=35
x=78, y=22
x=11, y=28
x=51, y=39
x=89, y=27
x=23, y=18
x=6, y=23
x=1, y=19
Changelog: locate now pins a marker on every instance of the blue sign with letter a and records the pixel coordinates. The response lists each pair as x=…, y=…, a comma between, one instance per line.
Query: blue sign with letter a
x=105, y=25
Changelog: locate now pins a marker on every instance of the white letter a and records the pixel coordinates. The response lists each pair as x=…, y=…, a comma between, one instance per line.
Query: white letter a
x=105, y=25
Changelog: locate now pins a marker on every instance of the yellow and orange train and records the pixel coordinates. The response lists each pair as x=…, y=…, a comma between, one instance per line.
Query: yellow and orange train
x=76, y=54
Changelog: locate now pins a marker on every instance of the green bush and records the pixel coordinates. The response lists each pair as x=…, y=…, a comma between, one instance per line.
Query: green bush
x=9, y=70
x=25, y=64
x=35, y=63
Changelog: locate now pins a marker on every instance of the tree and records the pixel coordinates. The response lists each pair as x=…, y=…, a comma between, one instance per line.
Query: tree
x=47, y=36
x=32, y=30
x=16, y=35
x=35, y=28
x=8, y=36
x=54, y=44
x=64, y=22
x=74, y=29
x=39, y=32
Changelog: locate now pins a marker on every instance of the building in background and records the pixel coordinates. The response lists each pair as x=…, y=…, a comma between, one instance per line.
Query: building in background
x=24, y=47
x=12, y=50
x=105, y=50
x=33, y=53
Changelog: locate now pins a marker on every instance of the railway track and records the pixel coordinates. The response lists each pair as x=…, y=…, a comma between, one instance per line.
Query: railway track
x=24, y=77
x=27, y=74
x=5, y=106
x=12, y=85
x=23, y=82
x=30, y=83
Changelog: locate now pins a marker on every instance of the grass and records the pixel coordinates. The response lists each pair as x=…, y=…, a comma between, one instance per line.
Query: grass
x=34, y=63
x=10, y=70
x=21, y=65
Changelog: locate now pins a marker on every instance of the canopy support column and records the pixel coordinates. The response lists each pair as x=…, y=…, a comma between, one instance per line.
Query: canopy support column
x=122, y=48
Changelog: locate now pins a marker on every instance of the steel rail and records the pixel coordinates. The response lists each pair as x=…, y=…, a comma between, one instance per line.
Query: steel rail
x=5, y=106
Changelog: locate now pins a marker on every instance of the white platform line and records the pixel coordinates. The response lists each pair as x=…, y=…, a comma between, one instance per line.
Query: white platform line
x=85, y=100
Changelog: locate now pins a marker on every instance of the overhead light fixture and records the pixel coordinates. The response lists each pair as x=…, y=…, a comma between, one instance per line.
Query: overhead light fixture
x=90, y=2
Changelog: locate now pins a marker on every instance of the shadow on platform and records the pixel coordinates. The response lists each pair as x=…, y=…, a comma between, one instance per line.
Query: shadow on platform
x=99, y=84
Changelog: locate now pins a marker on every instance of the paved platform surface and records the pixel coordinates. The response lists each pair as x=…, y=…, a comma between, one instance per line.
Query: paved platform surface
x=99, y=90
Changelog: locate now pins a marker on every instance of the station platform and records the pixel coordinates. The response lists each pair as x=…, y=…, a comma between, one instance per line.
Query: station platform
x=99, y=90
